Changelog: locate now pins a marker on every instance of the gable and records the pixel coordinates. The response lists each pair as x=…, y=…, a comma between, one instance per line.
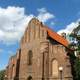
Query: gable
x=36, y=30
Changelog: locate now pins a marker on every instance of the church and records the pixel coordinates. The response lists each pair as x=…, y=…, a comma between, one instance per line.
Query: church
x=42, y=55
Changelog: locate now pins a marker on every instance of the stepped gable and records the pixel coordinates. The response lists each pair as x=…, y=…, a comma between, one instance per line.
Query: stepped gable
x=53, y=34
x=50, y=32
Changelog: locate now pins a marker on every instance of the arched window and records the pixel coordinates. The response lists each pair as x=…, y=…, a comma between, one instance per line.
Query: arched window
x=30, y=55
x=29, y=78
x=54, y=68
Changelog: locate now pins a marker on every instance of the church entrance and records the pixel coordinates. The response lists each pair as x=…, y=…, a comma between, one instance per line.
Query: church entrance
x=29, y=78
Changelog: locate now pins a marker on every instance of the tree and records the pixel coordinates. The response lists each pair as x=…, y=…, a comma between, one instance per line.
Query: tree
x=76, y=61
x=2, y=74
x=77, y=68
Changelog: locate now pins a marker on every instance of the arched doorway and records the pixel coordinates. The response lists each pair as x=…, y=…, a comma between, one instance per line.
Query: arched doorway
x=29, y=78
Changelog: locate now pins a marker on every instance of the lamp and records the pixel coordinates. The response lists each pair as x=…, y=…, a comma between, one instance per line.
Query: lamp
x=60, y=70
x=5, y=77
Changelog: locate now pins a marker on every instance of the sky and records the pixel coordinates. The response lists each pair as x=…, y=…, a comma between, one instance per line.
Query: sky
x=59, y=15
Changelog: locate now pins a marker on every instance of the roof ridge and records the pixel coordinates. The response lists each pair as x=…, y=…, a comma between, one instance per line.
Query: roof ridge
x=54, y=35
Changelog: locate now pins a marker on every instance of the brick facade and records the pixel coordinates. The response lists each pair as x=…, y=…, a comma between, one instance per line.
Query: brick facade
x=44, y=49
x=11, y=68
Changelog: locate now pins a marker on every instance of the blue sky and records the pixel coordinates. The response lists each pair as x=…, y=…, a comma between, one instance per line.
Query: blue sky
x=59, y=15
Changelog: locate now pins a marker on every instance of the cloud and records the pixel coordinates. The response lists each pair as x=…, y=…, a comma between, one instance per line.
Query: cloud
x=44, y=15
x=1, y=50
x=69, y=28
x=13, y=22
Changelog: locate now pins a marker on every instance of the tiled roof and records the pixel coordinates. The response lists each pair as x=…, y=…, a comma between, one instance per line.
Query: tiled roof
x=53, y=34
x=57, y=37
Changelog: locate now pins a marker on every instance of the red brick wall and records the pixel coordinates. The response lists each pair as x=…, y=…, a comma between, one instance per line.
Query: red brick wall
x=44, y=50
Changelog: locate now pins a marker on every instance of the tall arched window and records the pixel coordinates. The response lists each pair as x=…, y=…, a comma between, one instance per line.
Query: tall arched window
x=54, y=68
x=30, y=55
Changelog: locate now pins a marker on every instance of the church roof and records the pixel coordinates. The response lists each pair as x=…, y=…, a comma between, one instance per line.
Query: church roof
x=53, y=34
x=57, y=37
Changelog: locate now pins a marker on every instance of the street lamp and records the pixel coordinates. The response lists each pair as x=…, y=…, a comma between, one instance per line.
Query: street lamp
x=60, y=70
x=5, y=77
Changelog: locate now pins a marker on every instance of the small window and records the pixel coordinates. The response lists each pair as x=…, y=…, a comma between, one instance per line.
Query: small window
x=30, y=55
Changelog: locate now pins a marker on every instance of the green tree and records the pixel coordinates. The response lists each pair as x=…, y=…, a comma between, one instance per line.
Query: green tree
x=2, y=73
x=77, y=68
x=76, y=61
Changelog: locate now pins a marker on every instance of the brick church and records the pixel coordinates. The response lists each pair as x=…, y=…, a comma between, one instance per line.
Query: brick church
x=42, y=56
